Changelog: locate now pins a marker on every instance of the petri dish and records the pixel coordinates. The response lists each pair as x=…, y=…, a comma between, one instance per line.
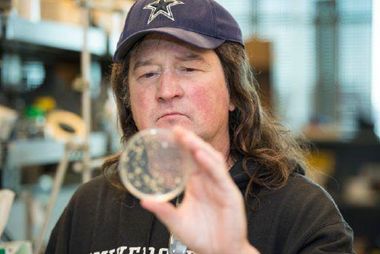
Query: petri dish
x=154, y=166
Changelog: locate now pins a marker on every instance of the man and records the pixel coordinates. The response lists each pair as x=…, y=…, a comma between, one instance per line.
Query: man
x=181, y=65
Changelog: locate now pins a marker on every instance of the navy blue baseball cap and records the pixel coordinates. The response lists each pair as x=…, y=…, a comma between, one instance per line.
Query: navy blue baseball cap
x=201, y=23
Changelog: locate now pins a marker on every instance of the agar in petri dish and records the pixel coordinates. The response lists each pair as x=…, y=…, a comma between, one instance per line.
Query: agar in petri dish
x=154, y=166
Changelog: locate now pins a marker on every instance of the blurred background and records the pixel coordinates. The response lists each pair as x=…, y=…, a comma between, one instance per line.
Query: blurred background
x=317, y=62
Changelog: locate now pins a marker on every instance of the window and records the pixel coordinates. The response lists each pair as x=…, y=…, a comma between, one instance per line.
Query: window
x=293, y=29
x=376, y=65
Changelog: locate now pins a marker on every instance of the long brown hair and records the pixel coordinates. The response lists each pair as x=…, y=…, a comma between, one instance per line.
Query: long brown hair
x=254, y=134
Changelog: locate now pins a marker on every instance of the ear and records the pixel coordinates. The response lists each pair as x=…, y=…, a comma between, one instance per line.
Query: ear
x=231, y=107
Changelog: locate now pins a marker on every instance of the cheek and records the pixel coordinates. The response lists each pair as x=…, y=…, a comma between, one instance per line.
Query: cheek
x=137, y=99
x=201, y=100
x=140, y=108
x=210, y=101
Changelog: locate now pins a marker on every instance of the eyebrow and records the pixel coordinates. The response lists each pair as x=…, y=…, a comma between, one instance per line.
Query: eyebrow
x=186, y=58
x=142, y=63
x=191, y=57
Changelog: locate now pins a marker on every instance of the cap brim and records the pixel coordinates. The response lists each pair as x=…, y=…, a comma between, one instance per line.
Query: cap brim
x=195, y=39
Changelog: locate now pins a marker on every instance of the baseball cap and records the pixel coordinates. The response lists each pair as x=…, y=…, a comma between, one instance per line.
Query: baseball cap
x=201, y=23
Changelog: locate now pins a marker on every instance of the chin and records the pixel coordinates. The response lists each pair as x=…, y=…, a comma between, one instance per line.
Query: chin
x=171, y=124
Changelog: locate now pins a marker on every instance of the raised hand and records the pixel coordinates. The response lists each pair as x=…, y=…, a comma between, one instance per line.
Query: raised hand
x=211, y=217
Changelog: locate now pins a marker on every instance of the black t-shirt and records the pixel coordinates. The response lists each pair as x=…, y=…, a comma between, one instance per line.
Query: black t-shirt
x=301, y=217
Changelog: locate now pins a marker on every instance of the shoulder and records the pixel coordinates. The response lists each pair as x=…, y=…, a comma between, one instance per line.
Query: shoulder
x=304, y=193
x=303, y=216
x=97, y=190
x=93, y=201
x=299, y=188
x=91, y=187
x=302, y=197
x=94, y=185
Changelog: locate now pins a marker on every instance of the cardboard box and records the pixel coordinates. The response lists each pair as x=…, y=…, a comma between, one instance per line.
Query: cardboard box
x=61, y=11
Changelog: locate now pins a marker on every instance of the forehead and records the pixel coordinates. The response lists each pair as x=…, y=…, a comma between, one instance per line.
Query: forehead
x=156, y=41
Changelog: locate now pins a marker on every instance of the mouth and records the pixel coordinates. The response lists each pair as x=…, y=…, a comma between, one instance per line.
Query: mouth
x=171, y=115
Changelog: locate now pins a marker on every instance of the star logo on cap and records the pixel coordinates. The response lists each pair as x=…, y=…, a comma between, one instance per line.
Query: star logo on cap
x=161, y=7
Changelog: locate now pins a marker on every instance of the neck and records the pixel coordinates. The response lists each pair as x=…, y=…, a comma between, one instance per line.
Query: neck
x=223, y=146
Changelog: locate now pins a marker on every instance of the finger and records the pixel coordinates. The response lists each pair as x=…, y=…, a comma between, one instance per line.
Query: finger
x=205, y=155
x=193, y=143
x=216, y=171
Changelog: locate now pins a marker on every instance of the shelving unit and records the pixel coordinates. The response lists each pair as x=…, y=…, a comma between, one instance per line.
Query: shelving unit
x=40, y=151
x=52, y=39
x=52, y=34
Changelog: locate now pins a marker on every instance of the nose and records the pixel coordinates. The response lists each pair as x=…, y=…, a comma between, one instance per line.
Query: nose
x=169, y=86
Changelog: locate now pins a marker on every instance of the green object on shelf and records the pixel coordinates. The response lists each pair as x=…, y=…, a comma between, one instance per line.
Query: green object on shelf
x=16, y=247
x=33, y=112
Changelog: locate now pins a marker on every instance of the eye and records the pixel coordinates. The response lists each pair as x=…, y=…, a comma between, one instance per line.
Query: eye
x=148, y=75
x=146, y=72
x=188, y=69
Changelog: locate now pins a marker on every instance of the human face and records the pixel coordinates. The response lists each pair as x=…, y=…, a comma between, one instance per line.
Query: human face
x=172, y=83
